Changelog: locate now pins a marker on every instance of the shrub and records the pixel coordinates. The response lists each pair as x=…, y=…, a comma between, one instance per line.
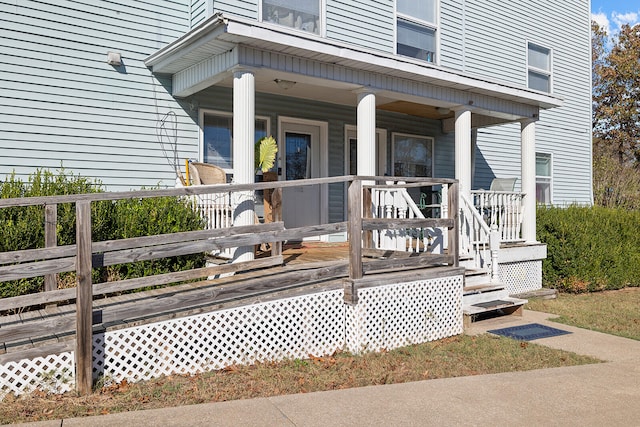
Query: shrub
x=589, y=248
x=23, y=227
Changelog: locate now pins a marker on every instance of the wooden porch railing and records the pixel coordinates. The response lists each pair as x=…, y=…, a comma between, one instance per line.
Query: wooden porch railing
x=87, y=254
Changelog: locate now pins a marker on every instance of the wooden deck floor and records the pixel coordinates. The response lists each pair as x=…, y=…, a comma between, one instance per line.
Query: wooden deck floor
x=37, y=332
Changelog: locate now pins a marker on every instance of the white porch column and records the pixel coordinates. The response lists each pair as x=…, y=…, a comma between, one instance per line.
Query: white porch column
x=528, y=173
x=463, y=151
x=244, y=119
x=366, y=162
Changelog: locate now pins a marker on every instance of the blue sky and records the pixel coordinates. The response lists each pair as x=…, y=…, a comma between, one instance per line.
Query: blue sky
x=611, y=14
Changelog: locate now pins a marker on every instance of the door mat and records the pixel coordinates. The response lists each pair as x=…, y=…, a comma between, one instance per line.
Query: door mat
x=532, y=331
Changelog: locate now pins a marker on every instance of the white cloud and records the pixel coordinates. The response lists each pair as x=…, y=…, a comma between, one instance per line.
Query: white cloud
x=620, y=19
x=602, y=20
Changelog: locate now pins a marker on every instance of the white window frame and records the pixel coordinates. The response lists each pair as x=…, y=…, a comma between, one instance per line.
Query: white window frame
x=401, y=134
x=435, y=26
x=547, y=179
x=548, y=73
x=321, y=31
x=226, y=114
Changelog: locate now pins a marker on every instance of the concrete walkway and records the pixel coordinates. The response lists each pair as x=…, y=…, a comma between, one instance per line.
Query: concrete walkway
x=605, y=394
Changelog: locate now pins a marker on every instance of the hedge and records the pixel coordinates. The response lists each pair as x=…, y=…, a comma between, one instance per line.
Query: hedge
x=23, y=227
x=590, y=248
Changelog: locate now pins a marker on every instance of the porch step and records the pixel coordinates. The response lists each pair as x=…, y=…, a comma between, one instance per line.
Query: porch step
x=488, y=299
x=475, y=277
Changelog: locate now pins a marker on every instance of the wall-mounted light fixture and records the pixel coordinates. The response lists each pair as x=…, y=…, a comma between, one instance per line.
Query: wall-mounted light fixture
x=284, y=84
x=443, y=111
x=114, y=58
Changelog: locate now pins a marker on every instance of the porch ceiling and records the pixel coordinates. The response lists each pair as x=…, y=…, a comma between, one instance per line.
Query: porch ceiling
x=220, y=35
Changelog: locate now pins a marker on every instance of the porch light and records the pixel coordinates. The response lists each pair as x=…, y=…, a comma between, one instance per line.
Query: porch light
x=284, y=84
x=443, y=110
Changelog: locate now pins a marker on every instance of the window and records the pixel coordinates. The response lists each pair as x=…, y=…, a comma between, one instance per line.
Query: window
x=416, y=29
x=412, y=155
x=299, y=14
x=539, y=63
x=217, y=138
x=543, y=178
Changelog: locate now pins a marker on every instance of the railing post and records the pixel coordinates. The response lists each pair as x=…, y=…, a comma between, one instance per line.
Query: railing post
x=494, y=246
x=276, y=215
x=454, y=233
x=84, y=299
x=50, y=241
x=354, y=208
x=355, y=229
x=367, y=212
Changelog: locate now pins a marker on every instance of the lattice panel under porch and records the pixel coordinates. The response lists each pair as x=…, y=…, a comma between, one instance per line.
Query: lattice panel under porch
x=392, y=316
x=287, y=328
x=53, y=374
x=520, y=277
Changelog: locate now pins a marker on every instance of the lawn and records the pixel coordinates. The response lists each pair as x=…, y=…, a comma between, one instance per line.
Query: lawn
x=611, y=312
x=452, y=357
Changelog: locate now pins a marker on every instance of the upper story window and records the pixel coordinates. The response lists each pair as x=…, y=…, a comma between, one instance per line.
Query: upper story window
x=299, y=14
x=543, y=178
x=539, y=63
x=416, y=32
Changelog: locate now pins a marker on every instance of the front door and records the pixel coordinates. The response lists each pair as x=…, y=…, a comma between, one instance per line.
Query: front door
x=301, y=159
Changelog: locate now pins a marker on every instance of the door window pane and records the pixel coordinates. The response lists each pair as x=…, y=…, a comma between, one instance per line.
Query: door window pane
x=298, y=156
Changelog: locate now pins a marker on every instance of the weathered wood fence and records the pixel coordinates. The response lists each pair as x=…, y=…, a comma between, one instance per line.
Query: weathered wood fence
x=87, y=254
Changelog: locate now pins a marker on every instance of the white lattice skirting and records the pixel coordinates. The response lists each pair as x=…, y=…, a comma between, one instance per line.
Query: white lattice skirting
x=54, y=373
x=318, y=324
x=520, y=277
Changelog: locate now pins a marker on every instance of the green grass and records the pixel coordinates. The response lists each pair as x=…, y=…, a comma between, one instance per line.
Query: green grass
x=611, y=312
x=452, y=357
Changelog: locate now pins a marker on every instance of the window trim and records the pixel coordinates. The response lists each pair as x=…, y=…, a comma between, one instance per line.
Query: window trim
x=431, y=139
x=531, y=68
x=322, y=31
x=546, y=178
x=435, y=26
x=225, y=114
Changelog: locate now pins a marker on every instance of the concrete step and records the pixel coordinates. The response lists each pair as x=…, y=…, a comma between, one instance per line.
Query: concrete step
x=502, y=306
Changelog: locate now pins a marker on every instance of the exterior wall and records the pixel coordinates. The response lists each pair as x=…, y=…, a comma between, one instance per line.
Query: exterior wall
x=367, y=23
x=63, y=105
x=199, y=11
x=243, y=8
x=495, y=46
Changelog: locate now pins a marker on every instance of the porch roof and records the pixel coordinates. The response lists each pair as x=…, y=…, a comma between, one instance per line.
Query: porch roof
x=220, y=34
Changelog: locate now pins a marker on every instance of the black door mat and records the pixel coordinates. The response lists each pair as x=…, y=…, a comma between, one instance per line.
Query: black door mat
x=532, y=331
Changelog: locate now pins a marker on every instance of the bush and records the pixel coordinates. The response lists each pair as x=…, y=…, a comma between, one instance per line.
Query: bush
x=23, y=227
x=589, y=248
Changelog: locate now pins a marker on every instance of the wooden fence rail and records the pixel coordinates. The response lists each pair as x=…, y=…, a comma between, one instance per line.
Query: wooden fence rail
x=86, y=254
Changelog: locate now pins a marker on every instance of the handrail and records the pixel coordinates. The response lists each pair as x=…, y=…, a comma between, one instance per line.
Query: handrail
x=412, y=205
x=471, y=208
